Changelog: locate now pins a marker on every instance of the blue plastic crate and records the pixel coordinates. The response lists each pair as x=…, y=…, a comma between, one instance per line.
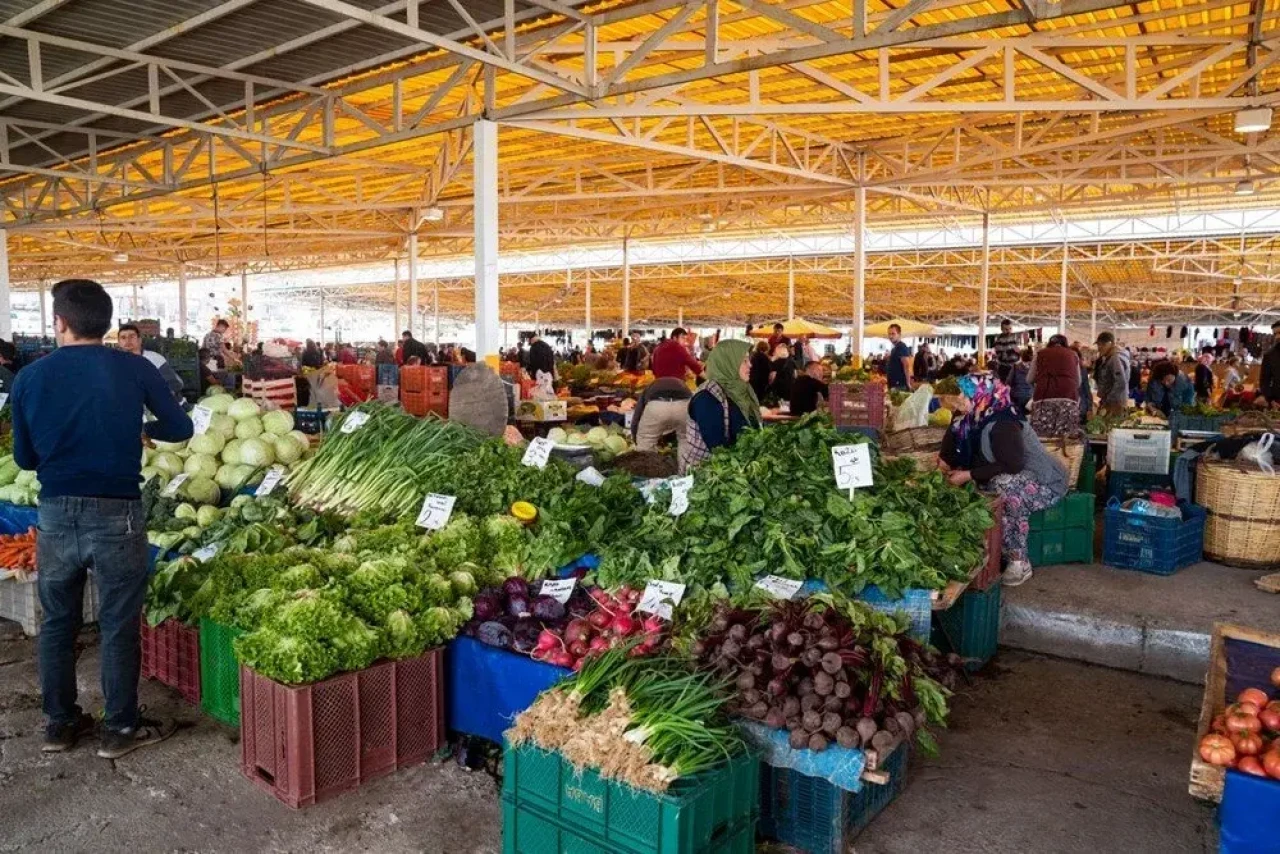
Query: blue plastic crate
x=812, y=815
x=310, y=421
x=1124, y=484
x=486, y=688
x=388, y=374
x=1154, y=544
x=916, y=604
x=1249, y=818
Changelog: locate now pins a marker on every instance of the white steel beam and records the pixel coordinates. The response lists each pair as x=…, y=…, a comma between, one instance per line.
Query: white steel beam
x=413, y=282
x=985, y=293
x=485, y=188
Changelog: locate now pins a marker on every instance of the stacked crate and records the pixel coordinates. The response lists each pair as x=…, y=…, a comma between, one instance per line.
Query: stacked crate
x=424, y=390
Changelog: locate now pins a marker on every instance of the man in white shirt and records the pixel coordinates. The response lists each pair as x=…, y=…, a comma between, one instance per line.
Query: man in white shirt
x=130, y=339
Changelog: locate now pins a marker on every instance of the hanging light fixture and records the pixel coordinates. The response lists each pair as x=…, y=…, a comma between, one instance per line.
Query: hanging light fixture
x=1253, y=120
x=1245, y=187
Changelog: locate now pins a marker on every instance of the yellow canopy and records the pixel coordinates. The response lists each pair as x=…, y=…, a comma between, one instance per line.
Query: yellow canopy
x=910, y=329
x=797, y=327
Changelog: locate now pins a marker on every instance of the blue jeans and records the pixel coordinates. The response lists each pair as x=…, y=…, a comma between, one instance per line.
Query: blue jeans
x=108, y=536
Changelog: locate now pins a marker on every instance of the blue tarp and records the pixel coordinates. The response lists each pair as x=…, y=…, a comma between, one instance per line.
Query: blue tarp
x=487, y=687
x=840, y=766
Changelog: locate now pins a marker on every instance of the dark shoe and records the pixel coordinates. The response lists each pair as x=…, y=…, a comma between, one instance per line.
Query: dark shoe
x=117, y=743
x=63, y=737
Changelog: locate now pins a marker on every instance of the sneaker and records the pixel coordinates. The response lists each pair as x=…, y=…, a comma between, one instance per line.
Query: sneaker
x=117, y=743
x=63, y=737
x=1015, y=573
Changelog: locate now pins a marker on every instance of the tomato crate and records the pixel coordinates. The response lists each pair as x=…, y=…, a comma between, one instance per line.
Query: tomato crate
x=1075, y=510
x=527, y=830
x=219, y=672
x=428, y=378
x=685, y=819
x=171, y=655
x=1153, y=544
x=20, y=602
x=1066, y=545
x=817, y=817
x=1239, y=658
x=857, y=405
x=305, y=743
x=971, y=627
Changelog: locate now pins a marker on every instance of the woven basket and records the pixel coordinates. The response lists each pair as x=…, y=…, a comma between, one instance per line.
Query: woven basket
x=1068, y=452
x=925, y=460
x=1252, y=422
x=1243, y=503
x=913, y=439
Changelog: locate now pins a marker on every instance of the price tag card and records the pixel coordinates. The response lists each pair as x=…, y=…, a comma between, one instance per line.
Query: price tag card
x=660, y=597
x=852, y=464
x=779, y=588
x=270, y=481
x=200, y=418
x=205, y=553
x=559, y=589
x=591, y=476
x=174, y=485
x=436, y=510
x=627, y=418
x=538, y=452
x=354, y=422
x=680, y=487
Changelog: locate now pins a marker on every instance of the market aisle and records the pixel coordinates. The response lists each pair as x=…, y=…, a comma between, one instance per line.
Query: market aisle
x=1043, y=755
x=1049, y=756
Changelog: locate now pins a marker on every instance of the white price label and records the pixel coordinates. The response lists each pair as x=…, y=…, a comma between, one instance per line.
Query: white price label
x=205, y=553
x=780, y=588
x=200, y=418
x=680, y=487
x=354, y=422
x=591, y=476
x=436, y=510
x=559, y=589
x=538, y=452
x=270, y=481
x=174, y=485
x=660, y=597
x=852, y=464
x=627, y=418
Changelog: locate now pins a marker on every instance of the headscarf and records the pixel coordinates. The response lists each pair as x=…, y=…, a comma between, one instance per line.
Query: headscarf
x=722, y=369
x=990, y=403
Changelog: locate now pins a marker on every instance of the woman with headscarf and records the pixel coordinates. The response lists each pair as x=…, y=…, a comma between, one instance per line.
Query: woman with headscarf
x=1055, y=399
x=724, y=406
x=761, y=368
x=993, y=446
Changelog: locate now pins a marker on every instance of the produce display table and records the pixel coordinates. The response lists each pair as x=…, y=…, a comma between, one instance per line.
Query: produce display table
x=486, y=687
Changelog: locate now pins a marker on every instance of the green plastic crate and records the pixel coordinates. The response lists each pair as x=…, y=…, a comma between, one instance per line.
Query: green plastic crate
x=528, y=830
x=971, y=627
x=219, y=672
x=622, y=819
x=1068, y=545
x=1075, y=510
x=1087, y=482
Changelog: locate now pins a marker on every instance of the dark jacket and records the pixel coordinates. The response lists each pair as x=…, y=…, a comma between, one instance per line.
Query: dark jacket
x=1204, y=381
x=784, y=375
x=1269, y=382
x=414, y=347
x=1055, y=374
x=761, y=367
x=1019, y=384
x=541, y=358
x=709, y=415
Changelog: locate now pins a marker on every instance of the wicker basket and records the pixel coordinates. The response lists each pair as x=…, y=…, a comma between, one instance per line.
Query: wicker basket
x=926, y=460
x=913, y=439
x=1069, y=452
x=1252, y=422
x=1243, y=503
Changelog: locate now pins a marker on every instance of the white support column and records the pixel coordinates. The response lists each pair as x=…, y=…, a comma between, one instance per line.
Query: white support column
x=859, y=269
x=396, y=300
x=626, y=287
x=435, y=306
x=6, y=322
x=680, y=317
x=587, y=319
x=413, y=283
x=44, y=321
x=1093, y=321
x=791, y=288
x=322, y=318
x=182, y=301
x=136, y=313
x=485, y=184
x=1062, y=297
x=984, y=292
x=244, y=305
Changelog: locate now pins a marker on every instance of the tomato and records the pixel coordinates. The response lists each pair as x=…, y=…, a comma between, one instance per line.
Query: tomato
x=1275, y=677
x=1270, y=718
x=1270, y=762
x=1219, y=724
x=1238, y=722
x=1218, y=750
x=1251, y=765
x=1253, y=695
x=1248, y=744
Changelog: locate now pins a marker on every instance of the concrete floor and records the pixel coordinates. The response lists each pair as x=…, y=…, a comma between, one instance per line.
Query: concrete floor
x=1043, y=755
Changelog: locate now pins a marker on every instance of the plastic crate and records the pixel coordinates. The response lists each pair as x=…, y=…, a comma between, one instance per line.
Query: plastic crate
x=1088, y=479
x=1145, y=451
x=311, y=421
x=1065, y=545
x=20, y=602
x=990, y=573
x=306, y=743
x=618, y=818
x=424, y=378
x=1249, y=819
x=1179, y=422
x=857, y=405
x=915, y=604
x=814, y=816
x=171, y=655
x=1123, y=485
x=526, y=830
x=219, y=672
x=1075, y=510
x=1154, y=544
x=971, y=627
x=425, y=403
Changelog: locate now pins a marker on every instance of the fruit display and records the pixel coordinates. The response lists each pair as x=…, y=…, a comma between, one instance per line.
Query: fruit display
x=1246, y=736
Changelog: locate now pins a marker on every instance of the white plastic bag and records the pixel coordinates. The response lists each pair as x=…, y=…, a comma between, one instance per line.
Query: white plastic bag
x=545, y=387
x=914, y=411
x=1260, y=452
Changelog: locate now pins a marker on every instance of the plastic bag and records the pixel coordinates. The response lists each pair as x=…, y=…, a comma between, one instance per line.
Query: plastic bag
x=914, y=411
x=544, y=387
x=1260, y=452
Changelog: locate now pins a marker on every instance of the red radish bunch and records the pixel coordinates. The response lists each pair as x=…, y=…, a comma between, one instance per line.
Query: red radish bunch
x=614, y=622
x=1246, y=735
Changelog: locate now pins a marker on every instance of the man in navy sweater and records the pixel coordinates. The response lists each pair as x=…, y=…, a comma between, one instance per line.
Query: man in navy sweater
x=77, y=419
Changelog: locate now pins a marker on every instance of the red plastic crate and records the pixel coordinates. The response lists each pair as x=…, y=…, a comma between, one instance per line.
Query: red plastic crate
x=425, y=402
x=857, y=405
x=307, y=743
x=424, y=378
x=990, y=573
x=171, y=655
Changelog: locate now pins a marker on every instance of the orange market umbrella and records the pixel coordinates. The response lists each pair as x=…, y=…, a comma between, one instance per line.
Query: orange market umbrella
x=798, y=327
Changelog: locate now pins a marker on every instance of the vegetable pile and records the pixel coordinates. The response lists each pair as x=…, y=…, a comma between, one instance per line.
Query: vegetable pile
x=1246, y=736
x=249, y=524
x=829, y=673
x=604, y=442
x=648, y=722
x=18, y=551
x=18, y=486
